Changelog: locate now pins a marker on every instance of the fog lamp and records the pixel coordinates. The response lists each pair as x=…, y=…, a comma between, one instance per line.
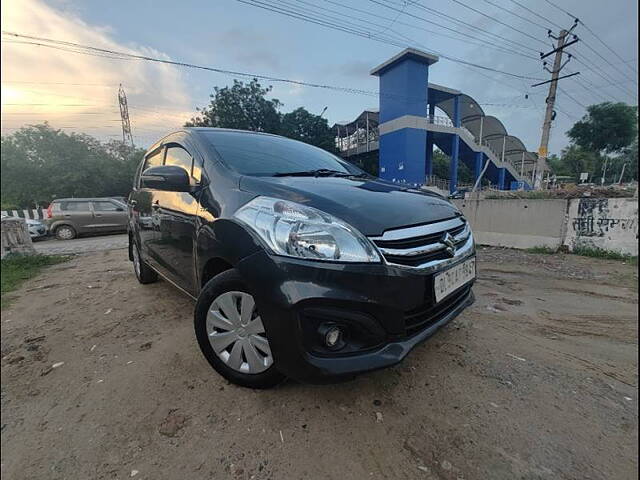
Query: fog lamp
x=333, y=337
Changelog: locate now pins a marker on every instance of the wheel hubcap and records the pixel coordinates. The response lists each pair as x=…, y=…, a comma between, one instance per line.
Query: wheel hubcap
x=236, y=333
x=65, y=233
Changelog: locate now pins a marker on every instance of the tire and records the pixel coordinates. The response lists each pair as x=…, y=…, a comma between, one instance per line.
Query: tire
x=65, y=232
x=243, y=332
x=144, y=273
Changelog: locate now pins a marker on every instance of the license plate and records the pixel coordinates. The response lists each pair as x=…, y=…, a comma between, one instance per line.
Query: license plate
x=450, y=280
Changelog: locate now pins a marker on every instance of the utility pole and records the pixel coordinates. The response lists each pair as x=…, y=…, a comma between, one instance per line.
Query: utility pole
x=624, y=165
x=604, y=170
x=127, y=137
x=550, y=114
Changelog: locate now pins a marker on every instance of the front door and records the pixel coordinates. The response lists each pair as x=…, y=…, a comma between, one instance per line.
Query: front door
x=144, y=211
x=178, y=222
x=109, y=216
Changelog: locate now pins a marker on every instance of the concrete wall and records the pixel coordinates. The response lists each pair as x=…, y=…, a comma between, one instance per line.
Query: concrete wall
x=607, y=223
x=516, y=223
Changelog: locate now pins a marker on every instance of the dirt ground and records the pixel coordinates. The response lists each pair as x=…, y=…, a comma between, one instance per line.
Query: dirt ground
x=539, y=379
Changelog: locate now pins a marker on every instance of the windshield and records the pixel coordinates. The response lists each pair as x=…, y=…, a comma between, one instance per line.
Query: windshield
x=267, y=155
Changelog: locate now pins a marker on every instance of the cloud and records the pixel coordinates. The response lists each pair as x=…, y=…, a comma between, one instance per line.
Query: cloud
x=77, y=91
x=249, y=48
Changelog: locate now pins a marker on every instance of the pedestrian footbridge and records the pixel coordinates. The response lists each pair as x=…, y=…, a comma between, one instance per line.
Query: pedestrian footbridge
x=416, y=115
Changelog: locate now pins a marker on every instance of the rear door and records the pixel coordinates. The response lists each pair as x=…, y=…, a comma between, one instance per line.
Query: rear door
x=78, y=213
x=109, y=216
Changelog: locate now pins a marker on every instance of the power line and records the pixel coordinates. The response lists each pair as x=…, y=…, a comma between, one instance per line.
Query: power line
x=482, y=42
x=367, y=35
x=606, y=60
x=536, y=14
x=500, y=7
x=244, y=74
x=592, y=33
x=498, y=21
x=456, y=21
x=564, y=92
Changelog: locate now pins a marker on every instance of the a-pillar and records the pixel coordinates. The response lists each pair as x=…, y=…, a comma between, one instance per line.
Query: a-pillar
x=501, y=176
x=428, y=168
x=403, y=109
x=455, y=148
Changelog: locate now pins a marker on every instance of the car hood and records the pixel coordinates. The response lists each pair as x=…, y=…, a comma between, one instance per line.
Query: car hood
x=370, y=205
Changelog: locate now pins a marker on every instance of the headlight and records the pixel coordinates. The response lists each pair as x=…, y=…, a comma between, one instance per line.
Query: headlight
x=295, y=230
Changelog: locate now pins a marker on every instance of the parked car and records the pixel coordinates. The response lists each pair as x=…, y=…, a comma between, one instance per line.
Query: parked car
x=120, y=199
x=301, y=264
x=69, y=217
x=37, y=229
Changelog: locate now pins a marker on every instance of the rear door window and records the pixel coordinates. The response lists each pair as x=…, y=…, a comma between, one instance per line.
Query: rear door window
x=105, y=206
x=75, y=206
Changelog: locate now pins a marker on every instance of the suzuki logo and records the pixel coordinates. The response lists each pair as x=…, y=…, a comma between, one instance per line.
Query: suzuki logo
x=449, y=243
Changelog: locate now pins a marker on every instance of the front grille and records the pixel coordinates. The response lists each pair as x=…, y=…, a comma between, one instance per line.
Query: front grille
x=426, y=315
x=423, y=244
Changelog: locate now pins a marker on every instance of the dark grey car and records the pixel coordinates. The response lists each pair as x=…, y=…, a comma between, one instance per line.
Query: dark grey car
x=69, y=217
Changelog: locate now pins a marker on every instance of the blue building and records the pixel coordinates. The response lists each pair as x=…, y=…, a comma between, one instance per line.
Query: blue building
x=416, y=115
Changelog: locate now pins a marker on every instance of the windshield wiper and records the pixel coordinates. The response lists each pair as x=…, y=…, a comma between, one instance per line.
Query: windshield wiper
x=320, y=172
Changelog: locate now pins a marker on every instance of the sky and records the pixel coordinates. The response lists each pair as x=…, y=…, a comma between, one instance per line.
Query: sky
x=78, y=92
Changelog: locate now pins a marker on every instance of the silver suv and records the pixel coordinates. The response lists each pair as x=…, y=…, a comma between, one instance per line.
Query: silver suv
x=69, y=217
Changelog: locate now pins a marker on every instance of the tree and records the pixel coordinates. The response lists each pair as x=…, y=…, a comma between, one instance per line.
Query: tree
x=607, y=128
x=630, y=157
x=441, y=163
x=576, y=160
x=241, y=106
x=40, y=163
x=309, y=128
x=245, y=106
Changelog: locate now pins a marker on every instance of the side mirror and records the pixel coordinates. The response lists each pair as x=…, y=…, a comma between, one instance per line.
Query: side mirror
x=169, y=178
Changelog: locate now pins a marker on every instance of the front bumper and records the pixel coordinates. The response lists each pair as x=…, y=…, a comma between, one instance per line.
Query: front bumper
x=389, y=309
x=37, y=232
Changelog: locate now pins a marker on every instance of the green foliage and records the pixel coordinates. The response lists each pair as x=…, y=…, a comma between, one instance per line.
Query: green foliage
x=605, y=254
x=607, y=127
x=541, y=249
x=40, y=163
x=440, y=163
x=608, y=134
x=245, y=106
x=576, y=159
x=307, y=127
x=16, y=269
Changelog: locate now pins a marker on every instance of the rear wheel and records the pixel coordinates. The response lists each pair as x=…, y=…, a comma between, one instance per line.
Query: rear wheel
x=65, y=232
x=231, y=334
x=144, y=273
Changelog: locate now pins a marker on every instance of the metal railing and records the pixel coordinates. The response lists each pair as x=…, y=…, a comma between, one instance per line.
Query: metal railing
x=439, y=120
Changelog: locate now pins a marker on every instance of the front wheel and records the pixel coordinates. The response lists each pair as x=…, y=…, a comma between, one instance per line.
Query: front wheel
x=65, y=232
x=144, y=273
x=231, y=334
